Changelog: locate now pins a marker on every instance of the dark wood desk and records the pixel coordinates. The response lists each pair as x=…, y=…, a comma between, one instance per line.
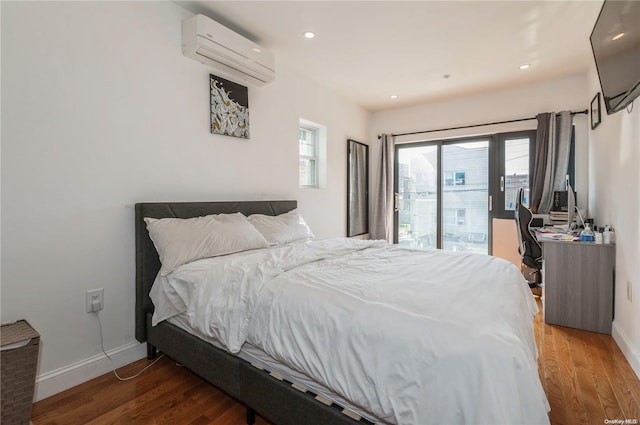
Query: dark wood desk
x=578, y=282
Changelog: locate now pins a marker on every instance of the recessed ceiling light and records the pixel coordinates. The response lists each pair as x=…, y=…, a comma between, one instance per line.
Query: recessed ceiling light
x=525, y=66
x=393, y=96
x=309, y=35
x=256, y=49
x=617, y=36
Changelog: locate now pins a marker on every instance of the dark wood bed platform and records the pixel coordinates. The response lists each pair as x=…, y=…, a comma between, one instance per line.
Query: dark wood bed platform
x=274, y=399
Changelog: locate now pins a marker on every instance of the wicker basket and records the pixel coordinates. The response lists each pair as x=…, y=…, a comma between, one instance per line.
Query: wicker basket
x=18, y=358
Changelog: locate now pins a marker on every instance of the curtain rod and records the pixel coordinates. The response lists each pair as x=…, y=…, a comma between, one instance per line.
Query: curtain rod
x=476, y=125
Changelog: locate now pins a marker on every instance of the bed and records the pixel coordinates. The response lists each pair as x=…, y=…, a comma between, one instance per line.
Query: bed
x=310, y=341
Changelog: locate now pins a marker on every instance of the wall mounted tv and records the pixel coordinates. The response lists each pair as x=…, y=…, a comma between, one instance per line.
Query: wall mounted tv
x=615, y=41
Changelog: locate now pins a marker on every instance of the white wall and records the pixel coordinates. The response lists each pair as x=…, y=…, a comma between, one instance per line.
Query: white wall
x=100, y=111
x=614, y=182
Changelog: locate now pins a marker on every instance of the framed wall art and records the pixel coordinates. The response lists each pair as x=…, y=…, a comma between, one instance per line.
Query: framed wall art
x=229, y=108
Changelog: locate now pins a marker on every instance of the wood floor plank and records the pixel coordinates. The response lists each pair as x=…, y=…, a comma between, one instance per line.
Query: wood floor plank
x=568, y=380
x=215, y=410
x=230, y=415
x=145, y=408
x=548, y=364
x=609, y=402
x=627, y=372
x=89, y=405
x=586, y=387
x=585, y=376
x=622, y=379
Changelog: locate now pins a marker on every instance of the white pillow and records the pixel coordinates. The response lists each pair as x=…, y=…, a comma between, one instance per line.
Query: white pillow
x=180, y=241
x=282, y=228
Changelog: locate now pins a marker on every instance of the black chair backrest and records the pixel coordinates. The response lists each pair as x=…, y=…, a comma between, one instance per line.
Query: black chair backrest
x=530, y=249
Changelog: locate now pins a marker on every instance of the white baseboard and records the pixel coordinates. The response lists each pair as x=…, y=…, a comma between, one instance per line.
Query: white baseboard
x=50, y=383
x=627, y=348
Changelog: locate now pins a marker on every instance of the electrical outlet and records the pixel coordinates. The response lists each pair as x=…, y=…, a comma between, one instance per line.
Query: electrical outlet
x=94, y=300
x=629, y=294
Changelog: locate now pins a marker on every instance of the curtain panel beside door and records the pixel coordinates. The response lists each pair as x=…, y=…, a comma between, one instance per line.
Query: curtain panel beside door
x=553, y=147
x=383, y=199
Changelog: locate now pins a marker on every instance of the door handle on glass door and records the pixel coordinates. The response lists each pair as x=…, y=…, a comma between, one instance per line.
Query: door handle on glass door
x=396, y=201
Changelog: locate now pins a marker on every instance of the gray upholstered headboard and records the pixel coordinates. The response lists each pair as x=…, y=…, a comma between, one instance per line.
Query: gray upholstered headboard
x=147, y=261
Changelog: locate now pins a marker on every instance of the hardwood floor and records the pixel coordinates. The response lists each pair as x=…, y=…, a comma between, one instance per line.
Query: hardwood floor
x=585, y=376
x=164, y=394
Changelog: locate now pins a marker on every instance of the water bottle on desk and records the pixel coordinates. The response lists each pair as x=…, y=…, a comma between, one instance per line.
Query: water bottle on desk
x=606, y=235
x=599, y=235
x=587, y=234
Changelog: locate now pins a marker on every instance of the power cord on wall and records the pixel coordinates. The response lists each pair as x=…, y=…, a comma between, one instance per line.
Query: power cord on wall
x=97, y=313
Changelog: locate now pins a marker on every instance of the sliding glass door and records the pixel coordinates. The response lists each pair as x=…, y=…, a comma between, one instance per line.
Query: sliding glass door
x=417, y=196
x=442, y=195
x=465, y=196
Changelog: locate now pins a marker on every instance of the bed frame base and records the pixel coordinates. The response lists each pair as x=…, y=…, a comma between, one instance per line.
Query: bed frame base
x=251, y=416
x=152, y=352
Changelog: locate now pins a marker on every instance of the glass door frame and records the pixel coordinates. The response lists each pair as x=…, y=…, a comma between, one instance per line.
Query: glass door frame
x=491, y=178
x=396, y=188
x=498, y=169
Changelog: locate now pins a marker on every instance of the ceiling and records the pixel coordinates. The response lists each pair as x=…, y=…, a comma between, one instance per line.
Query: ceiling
x=368, y=51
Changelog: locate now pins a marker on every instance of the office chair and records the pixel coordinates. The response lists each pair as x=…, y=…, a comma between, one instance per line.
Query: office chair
x=530, y=250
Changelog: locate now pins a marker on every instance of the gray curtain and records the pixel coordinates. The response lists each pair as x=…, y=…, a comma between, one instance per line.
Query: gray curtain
x=382, y=212
x=540, y=160
x=559, y=146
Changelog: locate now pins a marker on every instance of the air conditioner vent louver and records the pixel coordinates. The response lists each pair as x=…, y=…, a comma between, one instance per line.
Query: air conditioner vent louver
x=227, y=52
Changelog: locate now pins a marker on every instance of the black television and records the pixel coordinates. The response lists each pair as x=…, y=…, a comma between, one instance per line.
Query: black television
x=615, y=41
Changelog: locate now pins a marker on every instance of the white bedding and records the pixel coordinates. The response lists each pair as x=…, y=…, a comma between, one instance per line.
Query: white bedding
x=411, y=336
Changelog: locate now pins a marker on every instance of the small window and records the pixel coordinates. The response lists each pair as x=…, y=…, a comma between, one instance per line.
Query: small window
x=312, y=154
x=448, y=178
x=308, y=149
x=454, y=216
x=454, y=178
x=460, y=216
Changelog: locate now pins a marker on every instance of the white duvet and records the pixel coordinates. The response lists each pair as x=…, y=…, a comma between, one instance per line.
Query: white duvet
x=408, y=336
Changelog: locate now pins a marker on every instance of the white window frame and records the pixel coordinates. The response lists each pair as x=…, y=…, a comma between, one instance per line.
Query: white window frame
x=319, y=135
x=312, y=173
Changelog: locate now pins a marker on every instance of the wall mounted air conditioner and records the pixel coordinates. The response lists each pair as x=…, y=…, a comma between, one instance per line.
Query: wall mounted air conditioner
x=229, y=53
